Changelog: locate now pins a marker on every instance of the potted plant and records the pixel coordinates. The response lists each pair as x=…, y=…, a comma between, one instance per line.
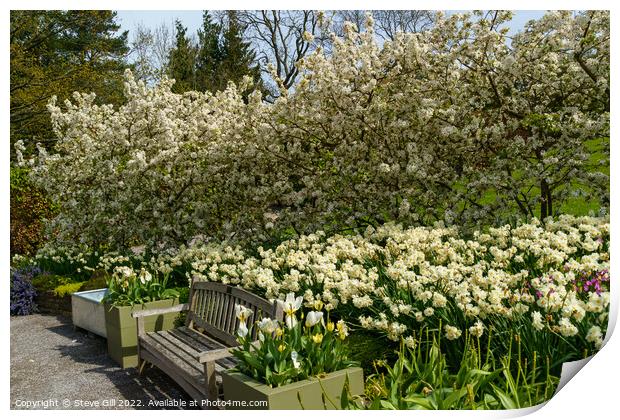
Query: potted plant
x=293, y=365
x=129, y=291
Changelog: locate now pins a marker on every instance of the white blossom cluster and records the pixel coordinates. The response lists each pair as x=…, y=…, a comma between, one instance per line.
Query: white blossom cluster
x=423, y=128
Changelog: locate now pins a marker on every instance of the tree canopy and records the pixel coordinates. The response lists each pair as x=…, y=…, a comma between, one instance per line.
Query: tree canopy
x=452, y=125
x=54, y=53
x=219, y=56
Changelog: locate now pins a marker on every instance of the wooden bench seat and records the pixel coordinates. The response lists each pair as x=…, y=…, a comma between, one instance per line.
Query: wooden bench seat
x=194, y=354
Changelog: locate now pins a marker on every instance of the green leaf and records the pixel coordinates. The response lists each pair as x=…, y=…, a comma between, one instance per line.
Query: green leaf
x=423, y=402
x=387, y=405
x=453, y=398
x=507, y=402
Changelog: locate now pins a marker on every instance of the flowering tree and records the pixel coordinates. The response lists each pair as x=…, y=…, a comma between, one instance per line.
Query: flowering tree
x=430, y=124
x=457, y=123
x=156, y=168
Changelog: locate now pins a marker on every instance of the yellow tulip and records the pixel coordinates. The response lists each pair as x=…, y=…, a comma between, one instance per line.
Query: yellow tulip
x=281, y=348
x=330, y=326
x=317, y=338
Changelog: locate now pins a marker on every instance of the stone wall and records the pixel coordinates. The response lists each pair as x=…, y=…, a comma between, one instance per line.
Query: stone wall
x=49, y=303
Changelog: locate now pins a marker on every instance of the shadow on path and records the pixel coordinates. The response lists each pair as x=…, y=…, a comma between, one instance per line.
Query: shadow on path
x=50, y=359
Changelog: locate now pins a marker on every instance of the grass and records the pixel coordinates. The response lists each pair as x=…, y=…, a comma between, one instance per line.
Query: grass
x=581, y=206
x=367, y=346
x=423, y=378
x=577, y=206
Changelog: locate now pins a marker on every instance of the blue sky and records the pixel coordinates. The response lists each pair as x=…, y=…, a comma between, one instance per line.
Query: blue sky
x=192, y=19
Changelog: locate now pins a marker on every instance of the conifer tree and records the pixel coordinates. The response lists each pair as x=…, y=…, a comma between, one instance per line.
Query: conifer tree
x=182, y=61
x=209, y=59
x=55, y=52
x=239, y=59
x=223, y=55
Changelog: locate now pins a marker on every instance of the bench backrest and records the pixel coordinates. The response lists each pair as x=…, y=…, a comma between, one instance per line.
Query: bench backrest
x=212, y=308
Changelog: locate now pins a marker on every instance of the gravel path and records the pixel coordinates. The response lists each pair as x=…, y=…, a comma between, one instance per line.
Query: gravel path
x=56, y=367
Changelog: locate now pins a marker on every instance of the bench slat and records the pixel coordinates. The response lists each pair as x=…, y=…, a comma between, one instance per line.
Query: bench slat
x=201, y=341
x=181, y=343
x=192, y=370
x=229, y=312
x=216, y=333
x=218, y=309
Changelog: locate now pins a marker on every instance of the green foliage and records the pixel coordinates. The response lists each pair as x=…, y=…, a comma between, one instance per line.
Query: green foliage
x=289, y=354
x=58, y=52
x=48, y=282
x=29, y=210
x=183, y=294
x=126, y=288
x=59, y=285
x=209, y=58
x=422, y=378
x=99, y=280
x=367, y=347
x=68, y=289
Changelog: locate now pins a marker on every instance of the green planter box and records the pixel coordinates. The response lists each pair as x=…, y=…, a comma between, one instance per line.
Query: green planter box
x=302, y=395
x=122, y=332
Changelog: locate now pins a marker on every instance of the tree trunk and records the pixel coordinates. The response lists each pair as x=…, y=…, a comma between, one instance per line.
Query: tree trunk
x=546, y=208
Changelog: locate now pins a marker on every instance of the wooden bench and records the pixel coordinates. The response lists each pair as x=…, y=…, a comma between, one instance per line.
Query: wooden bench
x=192, y=355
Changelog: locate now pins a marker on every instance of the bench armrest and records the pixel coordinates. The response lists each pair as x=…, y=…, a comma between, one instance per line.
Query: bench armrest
x=213, y=355
x=149, y=312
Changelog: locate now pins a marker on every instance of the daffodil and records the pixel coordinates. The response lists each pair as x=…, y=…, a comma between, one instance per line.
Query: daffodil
x=342, y=328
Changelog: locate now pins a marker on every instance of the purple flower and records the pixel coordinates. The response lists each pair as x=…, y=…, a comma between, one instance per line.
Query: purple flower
x=22, y=291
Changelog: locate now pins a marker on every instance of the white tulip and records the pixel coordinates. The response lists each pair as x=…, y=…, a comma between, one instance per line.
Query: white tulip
x=313, y=318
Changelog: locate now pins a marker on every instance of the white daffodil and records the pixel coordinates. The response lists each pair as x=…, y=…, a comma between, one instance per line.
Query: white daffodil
x=313, y=318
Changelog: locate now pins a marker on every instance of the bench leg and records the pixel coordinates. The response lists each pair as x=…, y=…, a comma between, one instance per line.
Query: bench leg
x=210, y=381
x=141, y=365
